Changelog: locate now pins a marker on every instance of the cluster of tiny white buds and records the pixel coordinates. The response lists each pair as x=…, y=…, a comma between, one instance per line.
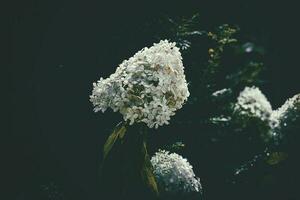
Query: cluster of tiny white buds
x=174, y=173
x=282, y=113
x=253, y=102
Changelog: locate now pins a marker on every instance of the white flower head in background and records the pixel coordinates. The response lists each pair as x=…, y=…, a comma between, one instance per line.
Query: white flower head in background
x=174, y=173
x=252, y=102
x=149, y=87
x=288, y=110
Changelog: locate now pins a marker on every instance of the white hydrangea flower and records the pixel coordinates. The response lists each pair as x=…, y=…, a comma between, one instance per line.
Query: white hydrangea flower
x=149, y=87
x=282, y=113
x=252, y=102
x=174, y=173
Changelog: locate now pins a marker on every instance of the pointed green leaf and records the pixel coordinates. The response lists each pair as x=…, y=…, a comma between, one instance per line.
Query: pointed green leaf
x=119, y=132
x=147, y=171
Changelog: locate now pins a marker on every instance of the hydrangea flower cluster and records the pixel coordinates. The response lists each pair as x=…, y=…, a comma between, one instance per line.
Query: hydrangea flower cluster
x=288, y=109
x=149, y=87
x=252, y=102
x=174, y=173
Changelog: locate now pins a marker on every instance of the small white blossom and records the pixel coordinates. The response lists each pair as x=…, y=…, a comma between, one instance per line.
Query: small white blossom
x=220, y=119
x=149, y=87
x=174, y=173
x=221, y=92
x=252, y=102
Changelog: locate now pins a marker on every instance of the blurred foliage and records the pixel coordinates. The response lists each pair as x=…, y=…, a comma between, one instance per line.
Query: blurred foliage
x=51, y=191
x=225, y=149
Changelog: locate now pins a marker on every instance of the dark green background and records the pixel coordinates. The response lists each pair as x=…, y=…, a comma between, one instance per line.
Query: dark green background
x=58, y=48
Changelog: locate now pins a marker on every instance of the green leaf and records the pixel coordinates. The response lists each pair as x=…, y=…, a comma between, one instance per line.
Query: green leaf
x=276, y=157
x=118, y=133
x=147, y=171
